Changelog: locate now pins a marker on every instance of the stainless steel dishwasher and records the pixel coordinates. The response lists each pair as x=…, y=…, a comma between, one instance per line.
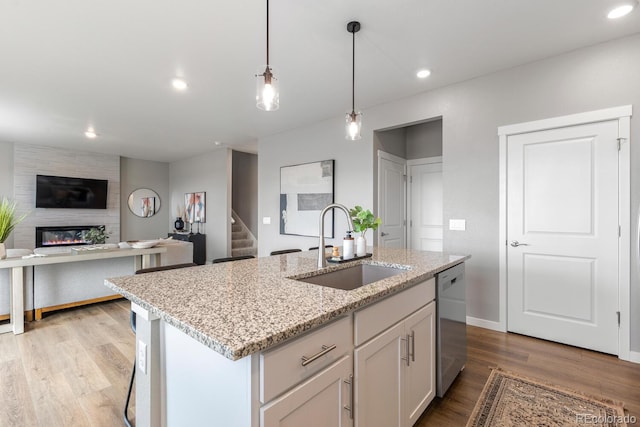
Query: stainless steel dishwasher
x=451, y=326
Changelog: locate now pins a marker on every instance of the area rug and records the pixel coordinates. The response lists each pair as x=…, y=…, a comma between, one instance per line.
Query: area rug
x=510, y=400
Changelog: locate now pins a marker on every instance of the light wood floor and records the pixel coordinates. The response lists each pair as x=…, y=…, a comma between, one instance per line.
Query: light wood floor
x=70, y=369
x=73, y=367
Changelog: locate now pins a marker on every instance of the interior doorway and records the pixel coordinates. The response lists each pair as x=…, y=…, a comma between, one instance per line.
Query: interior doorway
x=398, y=152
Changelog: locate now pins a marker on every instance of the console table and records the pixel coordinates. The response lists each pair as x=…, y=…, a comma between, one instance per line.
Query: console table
x=142, y=259
x=199, y=245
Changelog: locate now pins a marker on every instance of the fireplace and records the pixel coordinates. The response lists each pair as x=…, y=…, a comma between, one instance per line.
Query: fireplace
x=68, y=235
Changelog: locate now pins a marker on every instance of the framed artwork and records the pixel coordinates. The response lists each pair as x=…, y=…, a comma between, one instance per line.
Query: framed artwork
x=195, y=207
x=305, y=190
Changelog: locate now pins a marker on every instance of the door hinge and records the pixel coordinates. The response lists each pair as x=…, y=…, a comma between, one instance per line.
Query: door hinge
x=620, y=143
x=619, y=231
x=404, y=177
x=618, y=313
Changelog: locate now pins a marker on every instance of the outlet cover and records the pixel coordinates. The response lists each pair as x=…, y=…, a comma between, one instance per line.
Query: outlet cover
x=457, y=224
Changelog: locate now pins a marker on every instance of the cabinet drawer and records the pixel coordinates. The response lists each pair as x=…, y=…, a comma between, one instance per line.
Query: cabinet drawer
x=374, y=319
x=281, y=368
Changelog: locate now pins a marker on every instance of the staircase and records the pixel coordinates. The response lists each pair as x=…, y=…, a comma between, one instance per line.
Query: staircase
x=242, y=240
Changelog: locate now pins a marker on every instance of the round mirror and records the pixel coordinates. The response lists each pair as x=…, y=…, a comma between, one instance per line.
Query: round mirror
x=144, y=202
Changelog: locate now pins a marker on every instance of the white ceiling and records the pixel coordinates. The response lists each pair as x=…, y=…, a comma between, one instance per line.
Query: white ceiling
x=69, y=64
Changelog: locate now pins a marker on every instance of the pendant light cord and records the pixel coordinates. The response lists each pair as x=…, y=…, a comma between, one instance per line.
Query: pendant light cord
x=267, y=33
x=353, y=74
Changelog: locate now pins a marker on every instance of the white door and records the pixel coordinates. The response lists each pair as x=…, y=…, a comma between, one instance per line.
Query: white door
x=318, y=402
x=378, y=385
x=420, y=376
x=391, y=200
x=425, y=206
x=562, y=214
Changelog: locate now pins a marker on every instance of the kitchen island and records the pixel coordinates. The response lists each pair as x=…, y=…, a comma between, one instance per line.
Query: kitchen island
x=213, y=341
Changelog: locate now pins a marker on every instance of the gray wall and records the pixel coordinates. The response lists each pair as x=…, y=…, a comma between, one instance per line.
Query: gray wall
x=244, y=189
x=391, y=141
x=209, y=172
x=424, y=140
x=136, y=174
x=30, y=160
x=597, y=77
x=6, y=176
x=323, y=141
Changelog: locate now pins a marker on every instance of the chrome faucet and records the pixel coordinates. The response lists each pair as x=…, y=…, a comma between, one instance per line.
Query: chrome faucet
x=322, y=261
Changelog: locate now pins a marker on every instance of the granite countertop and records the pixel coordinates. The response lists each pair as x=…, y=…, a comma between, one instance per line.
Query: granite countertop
x=242, y=307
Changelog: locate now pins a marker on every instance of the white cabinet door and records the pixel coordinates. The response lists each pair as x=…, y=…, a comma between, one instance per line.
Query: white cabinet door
x=378, y=379
x=420, y=384
x=318, y=402
x=395, y=372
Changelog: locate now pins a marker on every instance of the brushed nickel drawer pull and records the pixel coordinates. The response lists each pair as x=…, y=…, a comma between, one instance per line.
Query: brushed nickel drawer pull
x=349, y=407
x=325, y=349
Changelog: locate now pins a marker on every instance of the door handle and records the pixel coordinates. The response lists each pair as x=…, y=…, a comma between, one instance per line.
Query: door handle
x=382, y=234
x=515, y=244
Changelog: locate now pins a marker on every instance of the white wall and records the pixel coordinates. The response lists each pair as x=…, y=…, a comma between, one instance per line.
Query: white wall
x=31, y=160
x=135, y=174
x=209, y=172
x=597, y=77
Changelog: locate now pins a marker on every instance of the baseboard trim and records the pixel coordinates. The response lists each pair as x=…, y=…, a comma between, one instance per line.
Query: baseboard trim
x=28, y=316
x=487, y=324
x=41, y=311
x=634, y=356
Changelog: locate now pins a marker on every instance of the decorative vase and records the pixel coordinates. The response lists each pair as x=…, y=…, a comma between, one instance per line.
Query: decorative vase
x=179, y=224
x=3, y=251
x=361, y=246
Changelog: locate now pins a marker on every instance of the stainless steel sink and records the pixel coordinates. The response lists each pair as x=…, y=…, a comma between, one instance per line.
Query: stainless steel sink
x=353, y=277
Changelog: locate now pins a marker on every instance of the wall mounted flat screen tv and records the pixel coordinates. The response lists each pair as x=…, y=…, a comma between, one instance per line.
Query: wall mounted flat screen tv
x=70, y=193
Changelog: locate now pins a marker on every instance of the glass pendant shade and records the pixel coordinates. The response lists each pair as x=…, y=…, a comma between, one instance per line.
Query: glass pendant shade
x=353, y=126
x=267, y=93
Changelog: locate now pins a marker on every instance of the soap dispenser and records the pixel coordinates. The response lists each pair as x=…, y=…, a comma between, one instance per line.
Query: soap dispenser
x=347, y=246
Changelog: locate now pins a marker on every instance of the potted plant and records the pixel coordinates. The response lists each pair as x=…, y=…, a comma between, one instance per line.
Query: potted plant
x=96, y=235
x=8, y=221
x=362, y=221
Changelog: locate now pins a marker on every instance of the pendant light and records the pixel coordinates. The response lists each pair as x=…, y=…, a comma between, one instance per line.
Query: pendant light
x=353, y=119
x=267, y=96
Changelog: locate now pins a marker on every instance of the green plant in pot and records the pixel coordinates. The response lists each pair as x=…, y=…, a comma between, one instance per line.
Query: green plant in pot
x=8, y=221
x=96, y=235
x=363, y=220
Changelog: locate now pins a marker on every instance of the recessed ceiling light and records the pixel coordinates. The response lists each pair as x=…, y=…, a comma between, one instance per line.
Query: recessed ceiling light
x=621, y=10
x=179, y=84
x=423, y=74
x=217, y=142
x=90, y=133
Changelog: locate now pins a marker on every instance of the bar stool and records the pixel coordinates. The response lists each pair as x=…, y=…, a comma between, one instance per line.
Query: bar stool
x=285, y=251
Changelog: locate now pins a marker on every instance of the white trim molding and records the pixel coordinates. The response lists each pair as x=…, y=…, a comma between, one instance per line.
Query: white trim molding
x=486, y=324
x=623, y=115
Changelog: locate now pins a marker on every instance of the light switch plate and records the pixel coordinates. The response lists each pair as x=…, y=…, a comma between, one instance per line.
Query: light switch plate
x=457, y=224
x=266, y=220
